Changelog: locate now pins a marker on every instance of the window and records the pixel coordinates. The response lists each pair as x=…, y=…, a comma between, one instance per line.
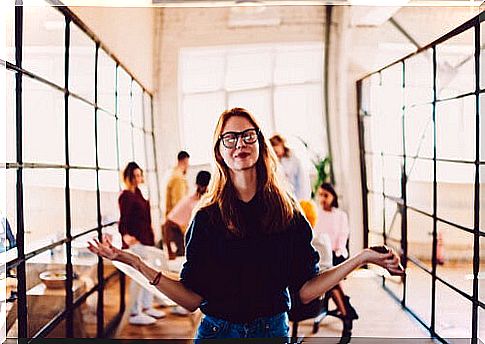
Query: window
x=421, y=159
x=43, y=41
x=83, y=200
x=44, y=221
x=107, y=141
x=106, y=82
x=8, y=18
x=124, y=95
x=82, y=60
x=43, y=126
x=280, y=84
x=82, y=150
x=8, y=117
x=58, y=171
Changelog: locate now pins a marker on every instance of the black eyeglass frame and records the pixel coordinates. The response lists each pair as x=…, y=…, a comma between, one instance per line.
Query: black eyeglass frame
x=240, y=134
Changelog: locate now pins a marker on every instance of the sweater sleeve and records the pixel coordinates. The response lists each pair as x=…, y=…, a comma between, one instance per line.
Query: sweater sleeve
x=193, y=274
x=305, y=258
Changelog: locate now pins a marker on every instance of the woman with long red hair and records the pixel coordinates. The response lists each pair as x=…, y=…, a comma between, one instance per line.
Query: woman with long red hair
x=248, y=246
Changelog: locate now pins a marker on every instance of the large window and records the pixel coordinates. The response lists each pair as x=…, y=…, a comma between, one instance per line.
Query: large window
x=74, y=118
x=422, y=133
x=281, y=84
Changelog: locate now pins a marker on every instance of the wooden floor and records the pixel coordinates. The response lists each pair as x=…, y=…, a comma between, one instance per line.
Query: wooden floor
x=171, y=327
x=380, y=317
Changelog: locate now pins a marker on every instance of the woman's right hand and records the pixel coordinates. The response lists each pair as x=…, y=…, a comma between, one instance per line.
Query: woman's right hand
x=106, y=249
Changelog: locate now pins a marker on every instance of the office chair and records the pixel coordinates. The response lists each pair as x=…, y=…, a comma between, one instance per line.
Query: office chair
x=316, y=310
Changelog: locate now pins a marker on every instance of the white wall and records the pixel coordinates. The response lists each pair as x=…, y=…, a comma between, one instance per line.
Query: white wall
x=343, y=126
x=205, y=27
x=128, y=33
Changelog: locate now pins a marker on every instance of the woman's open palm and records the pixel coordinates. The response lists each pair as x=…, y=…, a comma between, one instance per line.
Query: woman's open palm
x=105, y=249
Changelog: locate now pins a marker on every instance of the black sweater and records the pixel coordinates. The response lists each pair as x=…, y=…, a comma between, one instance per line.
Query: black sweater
x=241, y=279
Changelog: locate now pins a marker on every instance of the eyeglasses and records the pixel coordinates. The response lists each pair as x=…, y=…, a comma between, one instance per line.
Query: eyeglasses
x=249, y=136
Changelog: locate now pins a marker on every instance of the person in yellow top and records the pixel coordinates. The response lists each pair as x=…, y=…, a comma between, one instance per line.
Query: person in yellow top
x=310, y=211
x=177, y=186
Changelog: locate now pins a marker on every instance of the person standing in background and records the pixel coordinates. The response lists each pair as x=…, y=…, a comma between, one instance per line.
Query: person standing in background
x=296, y=176
x=177, y=186
x=176, y=189
x=178, y=219
x=135, y=227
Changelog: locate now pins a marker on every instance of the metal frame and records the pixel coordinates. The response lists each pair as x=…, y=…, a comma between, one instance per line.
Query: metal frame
x=19, y=165
x=401, y=202
x=21, y=273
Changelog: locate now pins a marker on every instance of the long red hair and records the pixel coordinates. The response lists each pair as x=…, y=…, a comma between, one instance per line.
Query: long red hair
x=280, y=205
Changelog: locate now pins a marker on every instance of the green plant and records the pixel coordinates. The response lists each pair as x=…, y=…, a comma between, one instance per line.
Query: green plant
x=322, y=165
x=323, y=173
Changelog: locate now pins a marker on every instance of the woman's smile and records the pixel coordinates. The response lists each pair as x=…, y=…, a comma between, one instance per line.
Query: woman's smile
x=241, y=155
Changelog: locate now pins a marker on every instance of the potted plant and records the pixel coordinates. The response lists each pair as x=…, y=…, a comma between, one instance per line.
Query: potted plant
x=322, y=165
x=323, y=172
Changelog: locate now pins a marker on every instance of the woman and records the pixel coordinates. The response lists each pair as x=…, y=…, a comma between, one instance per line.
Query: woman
x=326, y=237
x=296, y=176
x=333, y=221
x=178, y=218
x=247, y=244
x=135, y=226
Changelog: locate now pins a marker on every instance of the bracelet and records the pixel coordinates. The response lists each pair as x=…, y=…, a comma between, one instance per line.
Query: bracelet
x=156, y=280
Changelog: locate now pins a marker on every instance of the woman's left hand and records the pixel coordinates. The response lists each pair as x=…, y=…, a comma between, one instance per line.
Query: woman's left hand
x=389, y=261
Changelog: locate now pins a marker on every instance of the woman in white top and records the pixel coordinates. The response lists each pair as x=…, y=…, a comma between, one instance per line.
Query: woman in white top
x=296, y=176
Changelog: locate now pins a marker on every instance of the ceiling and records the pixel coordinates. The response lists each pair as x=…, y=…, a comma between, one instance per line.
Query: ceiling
x=230, y=3
x=182, y=3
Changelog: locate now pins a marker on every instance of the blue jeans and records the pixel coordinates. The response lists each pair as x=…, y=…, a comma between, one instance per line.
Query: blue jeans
x=266, y=327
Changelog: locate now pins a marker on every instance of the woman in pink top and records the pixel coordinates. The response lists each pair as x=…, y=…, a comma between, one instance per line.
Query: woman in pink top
x=332, y=224
x=179, y=217
x=333, y=221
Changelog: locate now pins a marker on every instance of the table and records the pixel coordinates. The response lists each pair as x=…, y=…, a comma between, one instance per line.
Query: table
x=43, y=304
